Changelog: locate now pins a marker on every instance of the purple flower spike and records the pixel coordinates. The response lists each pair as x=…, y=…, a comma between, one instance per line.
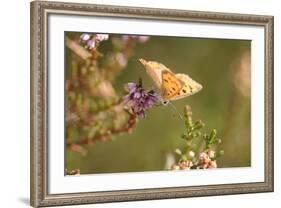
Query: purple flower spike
x=139, y=100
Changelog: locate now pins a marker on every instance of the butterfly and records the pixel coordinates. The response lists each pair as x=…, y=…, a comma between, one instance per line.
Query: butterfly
x=171, y=86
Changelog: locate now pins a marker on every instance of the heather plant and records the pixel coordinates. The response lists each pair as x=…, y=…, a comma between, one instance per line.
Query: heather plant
x=201, y=149
x=94, y=111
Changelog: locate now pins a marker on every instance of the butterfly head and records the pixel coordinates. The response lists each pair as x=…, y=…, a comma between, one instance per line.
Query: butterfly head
x=165, y=102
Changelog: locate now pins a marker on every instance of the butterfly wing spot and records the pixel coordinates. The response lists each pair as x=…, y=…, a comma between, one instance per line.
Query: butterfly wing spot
x=187, y=89
x=191, y=89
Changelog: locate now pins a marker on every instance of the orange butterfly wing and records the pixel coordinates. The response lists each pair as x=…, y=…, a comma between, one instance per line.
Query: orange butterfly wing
x=171, y=85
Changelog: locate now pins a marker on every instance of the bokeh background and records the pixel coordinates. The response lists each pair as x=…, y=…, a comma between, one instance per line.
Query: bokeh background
x=223, y=68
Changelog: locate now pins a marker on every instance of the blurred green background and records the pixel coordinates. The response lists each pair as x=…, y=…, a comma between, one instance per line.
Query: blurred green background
x=221, y=66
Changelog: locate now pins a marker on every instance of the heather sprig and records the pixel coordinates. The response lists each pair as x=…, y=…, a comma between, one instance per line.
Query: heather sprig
x=201, y=149
x=90, y=41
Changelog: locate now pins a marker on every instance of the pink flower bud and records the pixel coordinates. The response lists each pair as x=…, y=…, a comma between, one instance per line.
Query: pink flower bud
x=190, y=163
x=204, y=158
x=85, y=37
x=211, y=153
x=175, y=167
x=213, y=164
x=101, y=37
x=91, y=44
x=191, y=154
x=185, y=165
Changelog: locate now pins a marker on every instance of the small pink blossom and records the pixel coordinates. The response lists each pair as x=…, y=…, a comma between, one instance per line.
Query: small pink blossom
x=211, y=153
x=212, y=164
x=90, y=44
x=85, y=37
x=101, y=37
x=186, y=165
x=204, y=157
x=138, y=38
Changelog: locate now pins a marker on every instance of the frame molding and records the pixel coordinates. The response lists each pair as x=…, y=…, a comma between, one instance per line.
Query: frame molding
x=39, y=103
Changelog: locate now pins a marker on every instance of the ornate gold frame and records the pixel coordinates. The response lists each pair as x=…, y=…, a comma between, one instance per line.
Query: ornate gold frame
x=39, y=103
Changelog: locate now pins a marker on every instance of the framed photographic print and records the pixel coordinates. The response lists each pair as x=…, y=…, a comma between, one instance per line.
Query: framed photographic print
x=140, y=103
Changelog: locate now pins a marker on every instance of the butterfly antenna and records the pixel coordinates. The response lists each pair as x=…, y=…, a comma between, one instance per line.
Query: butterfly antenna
x=176, y=110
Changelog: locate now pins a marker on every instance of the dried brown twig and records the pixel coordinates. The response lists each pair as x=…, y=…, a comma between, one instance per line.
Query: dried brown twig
x=127, y=128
